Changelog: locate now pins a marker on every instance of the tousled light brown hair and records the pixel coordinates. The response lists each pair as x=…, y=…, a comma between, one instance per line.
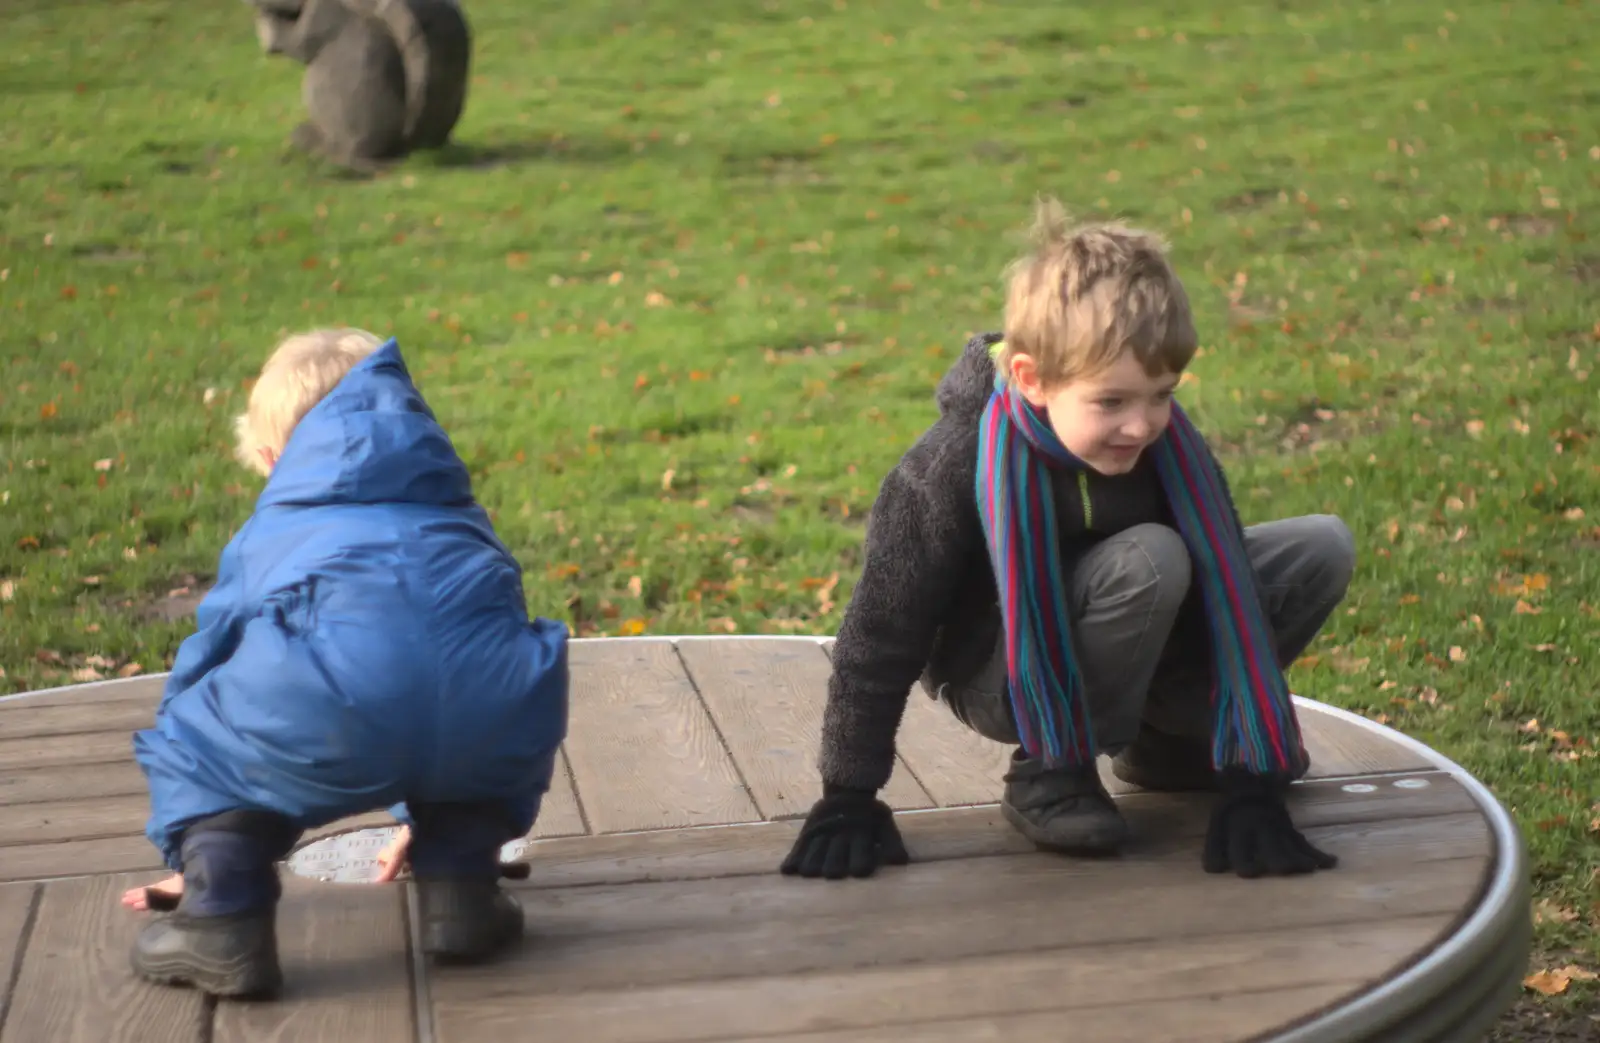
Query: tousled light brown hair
x=1085, y=294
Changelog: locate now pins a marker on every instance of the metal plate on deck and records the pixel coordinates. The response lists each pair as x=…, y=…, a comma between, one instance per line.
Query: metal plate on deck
x=352, y=857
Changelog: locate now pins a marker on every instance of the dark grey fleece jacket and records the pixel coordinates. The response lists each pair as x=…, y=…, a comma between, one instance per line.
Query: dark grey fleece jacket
x=926, y=599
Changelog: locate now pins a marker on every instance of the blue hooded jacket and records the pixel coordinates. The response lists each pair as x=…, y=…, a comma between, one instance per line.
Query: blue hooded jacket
x=367, y=641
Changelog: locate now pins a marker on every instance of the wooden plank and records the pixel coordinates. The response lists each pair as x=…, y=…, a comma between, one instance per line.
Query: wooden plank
x=955, y=765
x=1340, y=747
x=1221, y=1019
x=767, y=697
x=16, y=910
x=1161, y=823
x=643, y=750
x=76, y=857
x=21, y=720
x=1119, y=974
x=86, y=748
x=73, y=819
x=648, y=935
x=559, y=815
x=345, y=968
x=76, y=985
x=134, y=689
x=71, y=782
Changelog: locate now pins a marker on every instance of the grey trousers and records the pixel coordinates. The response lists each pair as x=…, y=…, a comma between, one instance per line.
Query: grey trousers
x=1139, y=629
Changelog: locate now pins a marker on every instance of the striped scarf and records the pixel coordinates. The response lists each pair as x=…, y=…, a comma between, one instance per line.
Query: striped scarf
x=1254, y=725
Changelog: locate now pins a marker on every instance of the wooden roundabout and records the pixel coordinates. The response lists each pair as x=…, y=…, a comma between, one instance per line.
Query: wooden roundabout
x=656, y=915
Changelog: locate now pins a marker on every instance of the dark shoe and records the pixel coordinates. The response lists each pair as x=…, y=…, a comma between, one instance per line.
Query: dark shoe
x=455, y=861
x=234, y=956
x=466, y=920
x=1169, y=763
x=1062, y=809
x=222, y=938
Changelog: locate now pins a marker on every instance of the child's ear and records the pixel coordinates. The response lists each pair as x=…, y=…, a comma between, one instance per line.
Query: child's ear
x=1025, y=375
x=268, y=457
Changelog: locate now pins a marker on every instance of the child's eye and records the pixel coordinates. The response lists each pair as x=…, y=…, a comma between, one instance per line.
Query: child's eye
x=1109, y=403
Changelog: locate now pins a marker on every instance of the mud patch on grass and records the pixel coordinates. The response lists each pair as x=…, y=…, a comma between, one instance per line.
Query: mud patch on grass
x=1251, y=199
x=178, y=601
x=1528, y=226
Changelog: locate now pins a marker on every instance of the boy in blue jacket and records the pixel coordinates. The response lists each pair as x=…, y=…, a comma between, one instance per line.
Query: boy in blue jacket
x=366, y=645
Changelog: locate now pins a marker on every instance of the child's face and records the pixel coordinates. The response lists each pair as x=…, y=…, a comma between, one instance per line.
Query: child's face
x=1106, y=420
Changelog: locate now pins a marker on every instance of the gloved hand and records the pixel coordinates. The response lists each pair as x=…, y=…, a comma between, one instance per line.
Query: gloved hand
x=1251, y=832
x=847, y=832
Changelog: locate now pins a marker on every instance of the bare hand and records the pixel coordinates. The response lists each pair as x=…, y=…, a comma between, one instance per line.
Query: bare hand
x=161, y=895
x=392, y=860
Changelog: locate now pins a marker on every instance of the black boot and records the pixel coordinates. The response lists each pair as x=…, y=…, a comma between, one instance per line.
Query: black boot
x=1062, y=809
x=222, y=938
x=1170, y=763
x=455, y=862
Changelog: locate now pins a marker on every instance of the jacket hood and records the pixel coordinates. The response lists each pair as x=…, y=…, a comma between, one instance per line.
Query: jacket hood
x=372, y=439
x=969, y=383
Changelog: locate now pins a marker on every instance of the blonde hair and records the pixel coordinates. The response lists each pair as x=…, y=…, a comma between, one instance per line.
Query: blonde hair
x=1085, y=295
x=298, y=374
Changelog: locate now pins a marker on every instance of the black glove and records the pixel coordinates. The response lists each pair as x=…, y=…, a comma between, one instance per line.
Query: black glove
x=1251, y=832
x=849, y=831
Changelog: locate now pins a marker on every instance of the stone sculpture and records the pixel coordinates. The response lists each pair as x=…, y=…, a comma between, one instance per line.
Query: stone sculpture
x=383, y=77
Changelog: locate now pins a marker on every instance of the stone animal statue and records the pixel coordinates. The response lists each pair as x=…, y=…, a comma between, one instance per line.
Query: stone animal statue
x=383, y=77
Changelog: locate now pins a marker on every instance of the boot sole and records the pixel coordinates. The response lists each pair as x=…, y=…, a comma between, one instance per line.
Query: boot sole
x=451, y=943
x=235, y=980
x=1102, y=841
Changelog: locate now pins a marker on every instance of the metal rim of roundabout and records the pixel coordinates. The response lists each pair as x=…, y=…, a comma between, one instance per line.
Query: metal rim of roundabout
x=1453, y=993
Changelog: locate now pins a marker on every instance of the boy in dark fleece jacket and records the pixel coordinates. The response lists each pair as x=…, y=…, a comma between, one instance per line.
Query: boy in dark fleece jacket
x=1058, y=560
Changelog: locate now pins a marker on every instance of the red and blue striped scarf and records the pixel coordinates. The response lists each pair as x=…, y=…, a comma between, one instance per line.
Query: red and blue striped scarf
x=1254, y=728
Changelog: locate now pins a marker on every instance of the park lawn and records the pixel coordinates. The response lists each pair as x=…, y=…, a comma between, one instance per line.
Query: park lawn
x=683, y=287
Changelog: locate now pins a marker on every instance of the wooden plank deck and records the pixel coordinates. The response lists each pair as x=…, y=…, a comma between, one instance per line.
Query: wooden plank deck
x=656, y=915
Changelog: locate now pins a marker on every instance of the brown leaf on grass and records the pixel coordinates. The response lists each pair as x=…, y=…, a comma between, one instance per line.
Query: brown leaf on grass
x=1457, y=654
x=633, y=628
x=563, y=571
x=1546, y=911
x=1522, y=608
x=1554, y=982
x=86, y=673
x=8, y=589
x=130, y=670
x=636, y=586
x=47, y=411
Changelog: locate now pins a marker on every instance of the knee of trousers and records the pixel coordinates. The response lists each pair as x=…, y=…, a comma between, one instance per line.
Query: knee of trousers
x=1147, y=565
x=1335, y=553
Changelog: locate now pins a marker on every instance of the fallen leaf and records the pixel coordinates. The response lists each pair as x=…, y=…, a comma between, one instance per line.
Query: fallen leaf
x=1524, y=609
x=1546, y=911
x=1457, y=654
x=633, y=628
x=130, y=670
x=635, y=586
x=102, y=465
x=47, y=411
x=8, y=589
x=86, y=673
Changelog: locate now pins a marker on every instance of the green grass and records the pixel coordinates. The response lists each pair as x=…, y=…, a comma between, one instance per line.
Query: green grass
x=683, y=287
